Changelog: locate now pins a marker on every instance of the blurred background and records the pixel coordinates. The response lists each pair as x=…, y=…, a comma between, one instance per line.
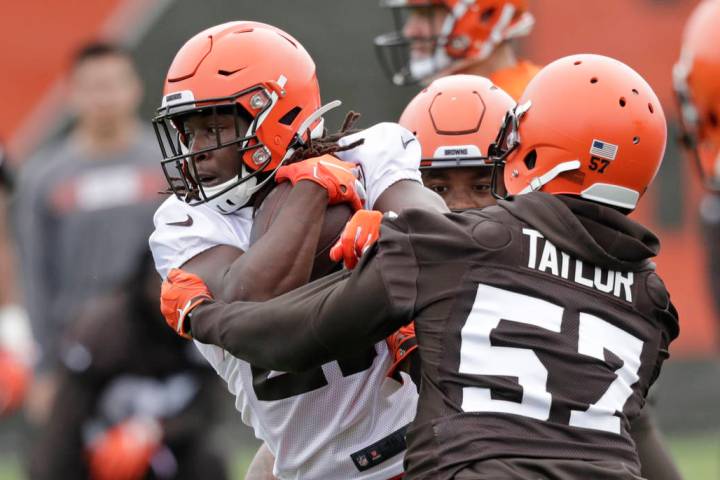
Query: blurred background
x=38, y=41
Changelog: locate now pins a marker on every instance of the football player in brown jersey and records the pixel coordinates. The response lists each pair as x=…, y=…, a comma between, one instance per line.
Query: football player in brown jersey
x=433, y=38
x=541, y=321
x=455, y=165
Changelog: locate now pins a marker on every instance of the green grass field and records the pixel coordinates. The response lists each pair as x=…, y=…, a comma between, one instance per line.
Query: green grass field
x=698, y=458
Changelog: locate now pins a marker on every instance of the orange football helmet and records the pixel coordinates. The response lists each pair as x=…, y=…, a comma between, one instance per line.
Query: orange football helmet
x=262, y=75
x=456, y=119
x=460, y=30
x=697, y=87
x=587, y=125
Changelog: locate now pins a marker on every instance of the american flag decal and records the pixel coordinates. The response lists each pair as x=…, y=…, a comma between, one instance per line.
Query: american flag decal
x=605, y=150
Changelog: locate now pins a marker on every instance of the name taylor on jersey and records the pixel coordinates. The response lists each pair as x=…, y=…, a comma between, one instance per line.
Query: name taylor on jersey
x=545, y=257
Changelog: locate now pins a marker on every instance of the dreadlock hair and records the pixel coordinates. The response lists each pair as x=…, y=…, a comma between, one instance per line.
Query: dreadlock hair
x=327, y=144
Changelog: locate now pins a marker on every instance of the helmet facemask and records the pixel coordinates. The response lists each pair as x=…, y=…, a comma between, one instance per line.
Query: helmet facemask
x=458, y=35
x=179, y=164
x=506, y=142
x=398, y=54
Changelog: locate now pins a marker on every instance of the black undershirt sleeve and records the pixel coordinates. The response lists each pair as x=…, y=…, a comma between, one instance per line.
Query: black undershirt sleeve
x=330, y=318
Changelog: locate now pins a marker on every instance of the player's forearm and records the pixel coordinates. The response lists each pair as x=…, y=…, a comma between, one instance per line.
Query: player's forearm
x=276, y=334
x=265, y=334
x=319, y=322
x=360, y=311
x=282, y=258
x=409, y=194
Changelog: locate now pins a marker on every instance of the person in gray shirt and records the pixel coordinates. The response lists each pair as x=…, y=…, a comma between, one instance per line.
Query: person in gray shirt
x=85, y=204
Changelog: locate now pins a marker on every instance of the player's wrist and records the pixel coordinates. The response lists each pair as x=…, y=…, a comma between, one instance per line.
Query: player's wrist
x=200, y=304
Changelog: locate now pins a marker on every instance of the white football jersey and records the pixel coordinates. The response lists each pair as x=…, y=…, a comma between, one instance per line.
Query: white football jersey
x=312, y=422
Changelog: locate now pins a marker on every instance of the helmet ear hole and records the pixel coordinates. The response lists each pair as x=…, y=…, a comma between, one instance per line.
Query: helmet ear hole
x=712, y=119
x=487, y=14
x=530, y=159
x=290, y=116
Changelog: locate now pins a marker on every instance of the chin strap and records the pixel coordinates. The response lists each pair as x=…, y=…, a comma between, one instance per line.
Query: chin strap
x=513, y=138
x=537, y=182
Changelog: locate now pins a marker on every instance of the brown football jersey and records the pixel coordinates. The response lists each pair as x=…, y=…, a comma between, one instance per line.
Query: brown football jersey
x=541, y=324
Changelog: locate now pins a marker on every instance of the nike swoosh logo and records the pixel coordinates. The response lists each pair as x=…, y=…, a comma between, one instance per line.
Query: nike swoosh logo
x=227, y=73
x=407, y=142
x=185, y=223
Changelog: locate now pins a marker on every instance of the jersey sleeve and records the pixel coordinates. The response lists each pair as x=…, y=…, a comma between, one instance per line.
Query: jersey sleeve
x=333, y=317
x=396, y=260
x=389, y=153
x=182, y=232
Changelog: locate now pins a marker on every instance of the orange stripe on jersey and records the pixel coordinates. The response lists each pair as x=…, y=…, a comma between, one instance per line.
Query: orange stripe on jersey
x=514, y=79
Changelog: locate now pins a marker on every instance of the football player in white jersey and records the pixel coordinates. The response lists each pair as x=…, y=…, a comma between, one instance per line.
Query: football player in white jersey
x=240, y=101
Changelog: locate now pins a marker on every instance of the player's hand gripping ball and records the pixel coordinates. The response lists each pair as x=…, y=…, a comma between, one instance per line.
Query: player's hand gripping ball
x=359, y=234
x=339, y=178
x=181, y=293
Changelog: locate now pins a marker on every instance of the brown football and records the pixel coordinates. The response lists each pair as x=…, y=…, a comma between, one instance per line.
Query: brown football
x=336, y=216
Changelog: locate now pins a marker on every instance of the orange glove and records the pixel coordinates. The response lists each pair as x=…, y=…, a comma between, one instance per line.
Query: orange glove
x=361, y=231
x=401, y=344
x=124, y=451
x=181, y=292
x=339, y=178
x=15, y=378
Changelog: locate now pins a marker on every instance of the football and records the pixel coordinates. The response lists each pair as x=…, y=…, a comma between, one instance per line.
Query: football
x=336, y=216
